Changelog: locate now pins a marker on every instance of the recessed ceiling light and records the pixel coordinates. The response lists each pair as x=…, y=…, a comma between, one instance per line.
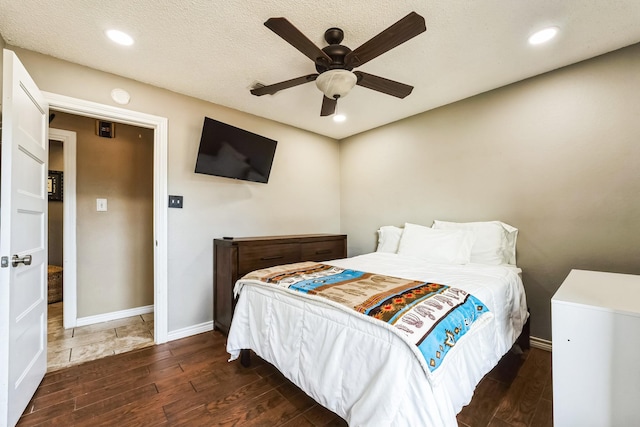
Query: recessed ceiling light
x=120, y=37
x=338, y=118
x=543, y=36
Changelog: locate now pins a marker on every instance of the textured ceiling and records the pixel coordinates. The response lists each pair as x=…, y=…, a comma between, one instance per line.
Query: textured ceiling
x=216, y=51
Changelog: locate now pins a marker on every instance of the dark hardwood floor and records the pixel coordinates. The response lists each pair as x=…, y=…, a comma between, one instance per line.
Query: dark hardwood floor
x=189, y=382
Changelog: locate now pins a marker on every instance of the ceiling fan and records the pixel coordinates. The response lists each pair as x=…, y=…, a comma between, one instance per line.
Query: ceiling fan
x=334, y=63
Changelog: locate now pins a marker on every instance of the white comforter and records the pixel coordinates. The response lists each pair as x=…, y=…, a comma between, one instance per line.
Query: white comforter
x=366, y=373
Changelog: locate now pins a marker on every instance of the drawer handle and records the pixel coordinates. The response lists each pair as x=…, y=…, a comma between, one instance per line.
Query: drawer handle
x=268, y=258
x=323, y=251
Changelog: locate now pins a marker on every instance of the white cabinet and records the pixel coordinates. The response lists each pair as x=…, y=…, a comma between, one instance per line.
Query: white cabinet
x=596, y=350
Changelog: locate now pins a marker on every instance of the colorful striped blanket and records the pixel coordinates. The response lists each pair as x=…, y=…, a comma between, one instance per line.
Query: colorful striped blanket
x=431, y=316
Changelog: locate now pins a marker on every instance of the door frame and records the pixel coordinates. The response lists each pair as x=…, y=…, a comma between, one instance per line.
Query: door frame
x=69, y=261
x=160, y=196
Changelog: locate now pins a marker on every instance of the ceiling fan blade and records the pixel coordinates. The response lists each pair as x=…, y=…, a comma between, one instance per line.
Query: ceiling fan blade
x=295, y=38
x=328, y=106
x=380, y=84
x=272, y=89
x=403, y=30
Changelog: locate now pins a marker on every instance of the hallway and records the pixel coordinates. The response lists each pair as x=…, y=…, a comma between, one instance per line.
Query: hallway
x=77, y=345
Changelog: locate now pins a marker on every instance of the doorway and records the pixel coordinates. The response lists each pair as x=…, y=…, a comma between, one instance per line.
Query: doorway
x=114, y=247
x=159, y=126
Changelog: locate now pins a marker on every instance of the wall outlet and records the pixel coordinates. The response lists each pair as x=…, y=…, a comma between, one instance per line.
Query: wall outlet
x=175, y=202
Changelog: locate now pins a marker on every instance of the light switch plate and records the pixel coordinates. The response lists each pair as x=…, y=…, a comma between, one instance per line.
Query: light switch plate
x=101, y=205
x=175, y=202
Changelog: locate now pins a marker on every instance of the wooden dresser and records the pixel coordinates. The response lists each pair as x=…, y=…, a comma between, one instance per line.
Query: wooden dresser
x=235, y=257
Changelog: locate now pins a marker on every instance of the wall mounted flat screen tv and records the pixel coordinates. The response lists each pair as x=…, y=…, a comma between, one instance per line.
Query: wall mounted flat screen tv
x=232, y=152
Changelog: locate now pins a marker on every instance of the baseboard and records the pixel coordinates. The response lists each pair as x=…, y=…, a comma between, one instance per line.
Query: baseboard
x=191, y=330
x=536, y=342
x=540, y=343
x=115, y=315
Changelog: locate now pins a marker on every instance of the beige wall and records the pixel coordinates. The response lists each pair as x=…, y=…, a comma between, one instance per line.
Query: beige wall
x=213, y=206
x=115, y=248
x=557, y=156
x=56, y=162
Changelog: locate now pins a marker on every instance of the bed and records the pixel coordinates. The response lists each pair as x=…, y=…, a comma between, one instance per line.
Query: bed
x=371, y=372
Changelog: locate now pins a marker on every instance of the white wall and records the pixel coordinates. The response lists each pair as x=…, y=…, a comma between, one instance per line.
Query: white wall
x=557, y=156
x=299, y=198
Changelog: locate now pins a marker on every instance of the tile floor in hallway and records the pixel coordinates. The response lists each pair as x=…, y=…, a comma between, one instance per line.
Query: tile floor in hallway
x=67, y=347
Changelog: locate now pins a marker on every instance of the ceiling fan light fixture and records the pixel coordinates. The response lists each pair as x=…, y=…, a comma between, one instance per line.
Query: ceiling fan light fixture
x=336, y=83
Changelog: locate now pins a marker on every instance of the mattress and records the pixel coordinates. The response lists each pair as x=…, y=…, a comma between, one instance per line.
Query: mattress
x=367, y=373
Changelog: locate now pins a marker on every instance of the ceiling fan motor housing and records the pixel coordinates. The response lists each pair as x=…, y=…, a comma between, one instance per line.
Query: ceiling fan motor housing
x=335, y=79
x=334, y=50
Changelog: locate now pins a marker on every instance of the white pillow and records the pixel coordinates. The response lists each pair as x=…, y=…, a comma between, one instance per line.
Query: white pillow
x=436, y=246
x=510, y=249
x=389, y=238
x=495, y=241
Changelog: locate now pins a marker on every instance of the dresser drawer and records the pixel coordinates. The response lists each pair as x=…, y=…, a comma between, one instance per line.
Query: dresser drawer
x=263, y=256
x=323, y=251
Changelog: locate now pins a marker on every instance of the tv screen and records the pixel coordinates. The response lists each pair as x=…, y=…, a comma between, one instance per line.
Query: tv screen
x=231, y=152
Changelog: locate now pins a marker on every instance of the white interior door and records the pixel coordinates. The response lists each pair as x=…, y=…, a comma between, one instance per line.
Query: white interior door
x=23, y=240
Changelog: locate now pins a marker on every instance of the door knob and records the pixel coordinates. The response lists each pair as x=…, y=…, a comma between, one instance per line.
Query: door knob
x=26, y=260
